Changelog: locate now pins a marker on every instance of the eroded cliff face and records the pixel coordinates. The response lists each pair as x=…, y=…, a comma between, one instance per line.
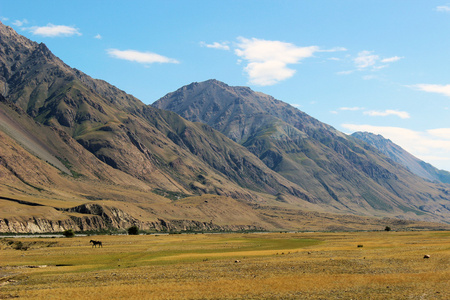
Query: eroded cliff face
x=95, y=217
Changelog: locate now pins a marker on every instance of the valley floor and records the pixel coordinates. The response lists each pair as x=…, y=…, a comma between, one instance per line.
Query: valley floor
x=356, y=265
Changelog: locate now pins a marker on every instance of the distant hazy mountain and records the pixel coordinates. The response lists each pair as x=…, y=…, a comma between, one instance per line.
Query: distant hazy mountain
x=399, y=155
x=76, y=152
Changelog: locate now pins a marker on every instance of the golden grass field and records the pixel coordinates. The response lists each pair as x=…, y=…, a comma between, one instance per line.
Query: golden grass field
x=389, y=265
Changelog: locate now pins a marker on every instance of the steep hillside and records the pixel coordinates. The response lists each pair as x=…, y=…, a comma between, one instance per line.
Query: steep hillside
x=78, y=153
x=399, y=155
x=69, y=139
x=339, y=170
x=159, y=148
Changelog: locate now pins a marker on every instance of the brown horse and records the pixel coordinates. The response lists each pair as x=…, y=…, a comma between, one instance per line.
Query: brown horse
x=95, y=243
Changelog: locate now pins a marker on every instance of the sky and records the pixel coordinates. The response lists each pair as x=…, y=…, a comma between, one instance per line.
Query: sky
x=375, y=65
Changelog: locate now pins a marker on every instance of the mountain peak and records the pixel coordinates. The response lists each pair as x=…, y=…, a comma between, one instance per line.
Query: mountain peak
x=7, y=33
x=210, y=83
x=215, y=81
x=236, y=111
x=5, y=30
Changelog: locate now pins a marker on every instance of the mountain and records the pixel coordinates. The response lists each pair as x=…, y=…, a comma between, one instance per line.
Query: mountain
x=100, y=143
x=340, y=171
x=155, y=146
x=399, y=155
x=77, y=152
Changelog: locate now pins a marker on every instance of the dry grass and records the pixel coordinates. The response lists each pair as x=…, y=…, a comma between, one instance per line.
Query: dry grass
x=272, y=266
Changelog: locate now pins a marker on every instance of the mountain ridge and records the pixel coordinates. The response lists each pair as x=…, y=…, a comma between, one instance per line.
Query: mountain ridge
x=401, y=156
x=340, y=170
x=154, y=167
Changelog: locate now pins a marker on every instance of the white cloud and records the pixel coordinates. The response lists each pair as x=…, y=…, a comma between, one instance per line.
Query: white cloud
x=443, y=8
x=20, y=23
x=388, y=112
x=443, y=133
x=365, y=59
x=433, y=88
x=335, y=49
x=351, y=108
x=432, y=146
x=380, y=67
x=216, y=45
x=54, y=30
x=98, y=36
x=140, y=57
x=268, y=60
x=391, y=59
x=4, y=19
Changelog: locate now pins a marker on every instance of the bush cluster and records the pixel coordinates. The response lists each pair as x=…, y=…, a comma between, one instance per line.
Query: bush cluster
x=133, y=230
x=68, y=233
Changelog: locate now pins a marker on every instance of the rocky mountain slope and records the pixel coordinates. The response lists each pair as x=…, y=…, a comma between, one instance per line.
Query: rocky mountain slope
x=340, y=171
x=86, y=129
x=155, y=146
x=401, y=156
x=78, y=153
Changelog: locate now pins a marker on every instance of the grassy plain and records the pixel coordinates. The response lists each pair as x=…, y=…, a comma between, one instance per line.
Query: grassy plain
x=389, y=265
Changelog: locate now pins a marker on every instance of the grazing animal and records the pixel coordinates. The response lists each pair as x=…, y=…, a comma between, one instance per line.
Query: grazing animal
x=427, y=256
x=95, y=243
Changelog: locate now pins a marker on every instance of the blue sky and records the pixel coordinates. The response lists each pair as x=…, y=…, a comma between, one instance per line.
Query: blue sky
x=373, y=65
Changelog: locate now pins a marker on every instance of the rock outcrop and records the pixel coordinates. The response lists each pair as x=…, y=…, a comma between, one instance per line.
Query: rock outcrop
x=95, y=217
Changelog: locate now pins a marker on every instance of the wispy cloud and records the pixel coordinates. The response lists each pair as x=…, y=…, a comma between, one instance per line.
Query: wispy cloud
x=388, y=112
x=369, y=61
x=376, y=113
x=4, y=19
x=98, y=36
x=140, y=57
x=52, y=30
x=365, y=59
x=432, y=145
x=443, y=8
x=20, y=23
x=391, y=59
x=443, y=133
x=216, y=45
x=355, y=108
x=268, y=60
x=335, y=49
x=433, y=88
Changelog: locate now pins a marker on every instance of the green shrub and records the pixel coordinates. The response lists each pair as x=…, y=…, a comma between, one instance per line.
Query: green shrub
x=387, y=228
x=68, y=233
x=20, y=246
x=133, y=230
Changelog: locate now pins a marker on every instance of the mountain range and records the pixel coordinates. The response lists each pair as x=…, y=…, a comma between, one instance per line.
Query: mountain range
x=77, y=152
